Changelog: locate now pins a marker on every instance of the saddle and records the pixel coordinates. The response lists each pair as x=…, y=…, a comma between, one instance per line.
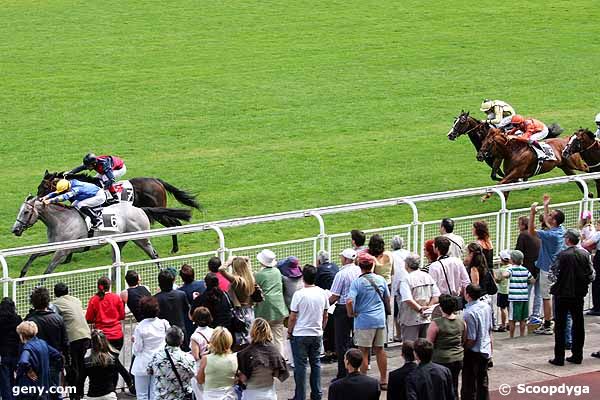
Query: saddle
x=546, y=153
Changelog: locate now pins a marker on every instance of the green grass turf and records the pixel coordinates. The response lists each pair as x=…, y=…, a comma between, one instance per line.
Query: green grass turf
x=264, y=106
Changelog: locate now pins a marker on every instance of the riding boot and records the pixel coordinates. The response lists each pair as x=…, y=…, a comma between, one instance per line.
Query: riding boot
x=114, y=199
x=95, y=220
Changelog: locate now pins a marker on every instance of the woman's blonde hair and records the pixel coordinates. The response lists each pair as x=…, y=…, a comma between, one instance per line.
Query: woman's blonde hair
x=221, y=341
x=261, y=331
x=241, y=267
x=27, y=330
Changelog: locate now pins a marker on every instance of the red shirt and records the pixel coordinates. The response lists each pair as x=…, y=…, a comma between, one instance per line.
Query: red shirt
x=223, y=282
x=107, y=314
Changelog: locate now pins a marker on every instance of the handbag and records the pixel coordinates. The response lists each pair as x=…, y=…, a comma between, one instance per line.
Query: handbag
x=238, y=324
x=384, y=299
x=459, y=299
x=257, y=296
x=186, y=395
x=491, y=287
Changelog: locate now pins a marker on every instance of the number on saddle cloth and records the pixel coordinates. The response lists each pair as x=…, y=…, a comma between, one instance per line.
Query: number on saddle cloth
x=125, y=191
x=109, y=220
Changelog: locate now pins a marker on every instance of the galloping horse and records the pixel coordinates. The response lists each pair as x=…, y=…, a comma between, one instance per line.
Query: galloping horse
x=148, y=192
x=477, y=131
x=584, y=143
x=520, y=161
x=66, y=223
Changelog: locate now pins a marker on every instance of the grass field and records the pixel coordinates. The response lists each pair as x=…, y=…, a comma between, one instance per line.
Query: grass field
x=264, y=106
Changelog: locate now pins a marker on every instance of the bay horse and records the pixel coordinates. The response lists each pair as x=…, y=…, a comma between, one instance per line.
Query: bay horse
x=477, y=131
x=66, y=223
x=520, y=162
x=148, y=192
x=584, y=143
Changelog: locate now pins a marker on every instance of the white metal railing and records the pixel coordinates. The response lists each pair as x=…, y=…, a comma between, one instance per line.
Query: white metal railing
x=414, y=233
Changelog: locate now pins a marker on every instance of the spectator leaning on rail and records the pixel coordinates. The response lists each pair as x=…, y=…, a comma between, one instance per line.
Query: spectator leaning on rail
x=358, y=240
x=354, y=385
x=78, y=332
x=51, y=328
x=365, y=303
x=430, y=381
x=478, y=346
x=36, y=361
x=273, y=307
x=551, y=245
x=457, y=243
x=213, y=266
x=308, y=317
x=572, y=273
x=418, y=292
x=166, y=383
x=339, y=294
x=398, y=377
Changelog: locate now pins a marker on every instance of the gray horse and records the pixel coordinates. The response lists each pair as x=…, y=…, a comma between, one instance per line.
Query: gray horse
x=66, y=223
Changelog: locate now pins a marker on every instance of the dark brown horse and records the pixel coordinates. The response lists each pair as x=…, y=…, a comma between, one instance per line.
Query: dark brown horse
x=584, y=143
x=477, y=131
x=148, y=192
x=519, y=160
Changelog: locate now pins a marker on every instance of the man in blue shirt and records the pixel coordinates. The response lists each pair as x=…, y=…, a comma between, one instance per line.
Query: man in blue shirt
x=85, y=197
x=365, y=303
x=551, y=243
x=478, y=346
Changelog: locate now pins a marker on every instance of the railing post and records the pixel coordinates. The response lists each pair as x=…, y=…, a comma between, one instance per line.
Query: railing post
x=415, y=222
x=322, y=234
x=586, y=193
x=5, y=278
x=503, y=239
x=116, y=263
x=222, y=249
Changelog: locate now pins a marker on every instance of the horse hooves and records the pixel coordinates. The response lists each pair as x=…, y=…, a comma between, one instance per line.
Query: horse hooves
x=174, y=250
x=484, y=198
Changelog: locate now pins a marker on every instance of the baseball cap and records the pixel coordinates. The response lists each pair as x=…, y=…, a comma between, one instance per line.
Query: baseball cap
x=505, y=254
x=348, y=253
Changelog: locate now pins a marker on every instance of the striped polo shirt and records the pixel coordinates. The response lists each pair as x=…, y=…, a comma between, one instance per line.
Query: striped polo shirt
x=517, y=286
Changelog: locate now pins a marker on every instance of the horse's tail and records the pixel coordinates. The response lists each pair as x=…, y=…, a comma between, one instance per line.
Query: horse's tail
x=554, y=130
x=168, y=216
x=182, y=196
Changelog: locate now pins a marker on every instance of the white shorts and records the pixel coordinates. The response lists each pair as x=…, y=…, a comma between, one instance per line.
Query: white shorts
x=94, y=201
x=369, y=337
x=117, y=173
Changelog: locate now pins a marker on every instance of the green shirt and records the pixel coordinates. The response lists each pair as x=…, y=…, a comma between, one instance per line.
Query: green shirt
x=502, y=281
x=273, y=308
x=448, y=346
x=70, y=309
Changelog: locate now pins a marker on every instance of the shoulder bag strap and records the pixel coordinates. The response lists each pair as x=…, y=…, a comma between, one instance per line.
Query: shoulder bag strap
x=175, y=371
x=446, y=276
x=374, y=287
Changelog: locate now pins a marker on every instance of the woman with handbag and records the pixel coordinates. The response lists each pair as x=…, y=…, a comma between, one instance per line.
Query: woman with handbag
x=241, y=290
x=218, y=369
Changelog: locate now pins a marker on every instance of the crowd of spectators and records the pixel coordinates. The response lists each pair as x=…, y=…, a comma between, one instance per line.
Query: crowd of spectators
x=233, y=333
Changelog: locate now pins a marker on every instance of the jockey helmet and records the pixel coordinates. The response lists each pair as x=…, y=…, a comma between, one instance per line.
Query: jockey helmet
x=486, y=105
x=517, y=119
x=89, y=159
x=598, y=119
x=63, y=185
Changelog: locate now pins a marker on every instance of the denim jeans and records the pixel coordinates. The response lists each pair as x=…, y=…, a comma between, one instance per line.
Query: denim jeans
x=8, y=365
x=306, y=350
x=537, y=299
x=144, y=387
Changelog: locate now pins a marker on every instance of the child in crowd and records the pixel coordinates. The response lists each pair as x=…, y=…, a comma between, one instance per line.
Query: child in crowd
x=586, y=226
x=518, y=298
x=502, y=281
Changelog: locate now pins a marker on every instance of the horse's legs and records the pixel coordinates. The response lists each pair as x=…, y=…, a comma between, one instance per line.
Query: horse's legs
x=145, y=245
x=175, y=247
x=59, y=256
x=496, y=169
x=68, y=259
x=569, y=171
x=30, y=261
x=510, y=178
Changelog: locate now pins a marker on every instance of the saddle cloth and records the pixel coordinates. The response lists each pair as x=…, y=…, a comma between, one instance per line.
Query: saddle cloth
x=125, y=191
x=546, y=155
x=109, y=222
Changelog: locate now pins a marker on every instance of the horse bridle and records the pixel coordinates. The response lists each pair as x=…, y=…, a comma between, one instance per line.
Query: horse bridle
x=589, y=147
x=470, y=130
x=28, y=224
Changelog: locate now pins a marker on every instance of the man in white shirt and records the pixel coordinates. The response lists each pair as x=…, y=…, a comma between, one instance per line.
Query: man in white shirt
x=449, y=273
x=457, y=243
x=308, y=316
x=399, y=254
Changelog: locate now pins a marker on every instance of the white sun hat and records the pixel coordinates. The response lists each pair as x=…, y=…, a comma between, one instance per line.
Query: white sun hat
x=266, y=257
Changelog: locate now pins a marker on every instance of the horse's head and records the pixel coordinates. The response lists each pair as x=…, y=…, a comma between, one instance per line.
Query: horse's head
x=488, y=147
x=48, y=183
x=464, y=123
x=27, y=217
x=579, y=142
